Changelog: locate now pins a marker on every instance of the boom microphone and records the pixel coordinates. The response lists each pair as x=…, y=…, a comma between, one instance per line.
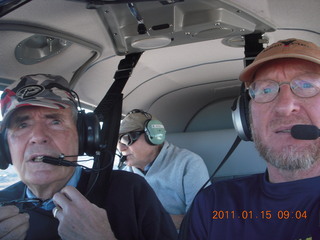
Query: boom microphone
x=60, y=161
x=305, y=132
x=121, y=162
x=55, y=161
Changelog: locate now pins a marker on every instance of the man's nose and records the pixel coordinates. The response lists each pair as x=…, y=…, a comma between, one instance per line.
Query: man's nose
x=286, y=101
x=122, y=146
x=39, y=134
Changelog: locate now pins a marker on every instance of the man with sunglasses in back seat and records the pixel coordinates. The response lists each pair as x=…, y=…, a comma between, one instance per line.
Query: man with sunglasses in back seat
x=175, y=174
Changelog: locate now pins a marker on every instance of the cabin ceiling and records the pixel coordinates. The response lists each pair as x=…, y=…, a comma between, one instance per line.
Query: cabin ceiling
x=193, y=50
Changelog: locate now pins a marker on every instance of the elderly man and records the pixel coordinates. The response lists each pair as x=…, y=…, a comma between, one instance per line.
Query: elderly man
x=40, y=121
x=175, y=174
x=283, y=203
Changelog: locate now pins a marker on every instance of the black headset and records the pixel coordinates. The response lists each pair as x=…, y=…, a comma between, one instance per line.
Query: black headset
x=155, y=133
x=88, y=128
x=240, y=115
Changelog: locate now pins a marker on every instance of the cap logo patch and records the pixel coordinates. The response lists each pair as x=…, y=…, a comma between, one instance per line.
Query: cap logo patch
x=29, y=91
x=286, y=43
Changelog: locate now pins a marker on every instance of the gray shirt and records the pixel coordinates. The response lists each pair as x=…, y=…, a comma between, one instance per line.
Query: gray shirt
x=176, y=175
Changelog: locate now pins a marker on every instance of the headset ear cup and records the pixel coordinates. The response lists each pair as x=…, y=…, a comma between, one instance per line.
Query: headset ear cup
x=93, y=134
x=81, y=132
x=155, y=132
x=5, y=157
x=240, y=116
x=88, y=133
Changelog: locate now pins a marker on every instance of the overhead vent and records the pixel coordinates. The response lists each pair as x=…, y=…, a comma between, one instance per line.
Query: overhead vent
x=38, y=48
x=239, y=41
x=140, y=26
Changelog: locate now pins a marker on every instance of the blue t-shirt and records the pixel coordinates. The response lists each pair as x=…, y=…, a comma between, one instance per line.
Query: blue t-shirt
x=252, y=208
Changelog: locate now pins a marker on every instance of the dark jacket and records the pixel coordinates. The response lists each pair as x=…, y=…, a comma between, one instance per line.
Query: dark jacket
x=134, y=211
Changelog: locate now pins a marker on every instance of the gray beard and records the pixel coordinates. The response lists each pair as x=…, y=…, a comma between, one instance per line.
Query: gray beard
x=290, y=158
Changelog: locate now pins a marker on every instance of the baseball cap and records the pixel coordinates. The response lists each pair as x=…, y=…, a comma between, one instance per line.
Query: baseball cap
x=134, y=121
x=42, y=90
x=289, y=48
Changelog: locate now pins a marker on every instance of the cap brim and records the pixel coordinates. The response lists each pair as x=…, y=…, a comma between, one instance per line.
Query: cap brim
x=52, y=105
x=129, y=129
x=133, y=122
x=248, y=73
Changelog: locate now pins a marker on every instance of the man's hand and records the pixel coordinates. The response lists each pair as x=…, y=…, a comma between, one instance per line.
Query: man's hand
x=79, y=218
x=13, y=225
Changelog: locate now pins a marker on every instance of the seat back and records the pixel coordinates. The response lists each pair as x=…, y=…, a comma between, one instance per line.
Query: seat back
x=212, y=146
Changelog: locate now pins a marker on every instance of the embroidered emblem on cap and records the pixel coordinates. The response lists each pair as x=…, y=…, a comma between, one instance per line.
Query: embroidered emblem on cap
x=29, y=91
x=288, y=48
x=286, y=43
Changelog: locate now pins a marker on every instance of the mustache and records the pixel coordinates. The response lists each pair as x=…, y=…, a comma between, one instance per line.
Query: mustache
x=288, y=121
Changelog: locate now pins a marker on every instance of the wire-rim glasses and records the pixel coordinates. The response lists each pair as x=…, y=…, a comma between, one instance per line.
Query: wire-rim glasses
x=263, y=91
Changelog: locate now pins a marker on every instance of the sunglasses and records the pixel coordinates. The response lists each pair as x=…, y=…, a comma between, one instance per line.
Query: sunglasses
x=24, y=205
x=129, y=138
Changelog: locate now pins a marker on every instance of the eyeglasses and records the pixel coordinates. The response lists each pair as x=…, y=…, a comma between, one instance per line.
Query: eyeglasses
x=263, y=91
x=24, y=204
x=129, y=138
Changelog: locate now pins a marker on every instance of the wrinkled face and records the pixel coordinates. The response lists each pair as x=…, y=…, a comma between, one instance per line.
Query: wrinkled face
x=38, y=131
x=271, y=122
x=140, y=153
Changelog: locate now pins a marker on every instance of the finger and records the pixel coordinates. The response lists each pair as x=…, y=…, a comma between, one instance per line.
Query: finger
x=66, y=195
x=19, y=233
x=8, y=211
x=55, y=211
x=60, y=200
x=14, y=226
x=72, y=193
x=77, y=199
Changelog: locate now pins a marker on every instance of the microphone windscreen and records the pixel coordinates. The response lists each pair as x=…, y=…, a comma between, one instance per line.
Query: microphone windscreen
x=305, y=132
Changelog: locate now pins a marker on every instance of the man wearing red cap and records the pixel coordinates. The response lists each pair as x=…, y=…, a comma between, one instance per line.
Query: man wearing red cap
x=283, y=203
x=40, y=122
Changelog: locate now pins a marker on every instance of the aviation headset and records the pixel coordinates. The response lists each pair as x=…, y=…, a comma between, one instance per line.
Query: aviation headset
x=155, y=133
x=240, y=108
x=88, y=128
x=240, y=115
